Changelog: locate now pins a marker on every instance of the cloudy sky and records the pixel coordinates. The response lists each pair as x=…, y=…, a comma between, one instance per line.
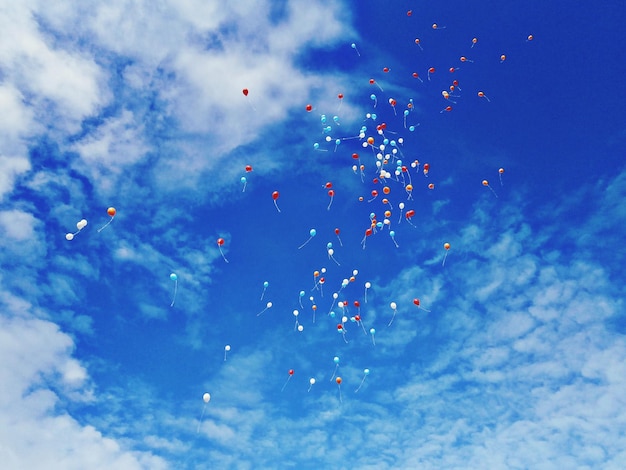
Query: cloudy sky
x=376, y=354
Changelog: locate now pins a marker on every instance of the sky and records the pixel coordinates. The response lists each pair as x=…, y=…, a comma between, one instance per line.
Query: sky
x=327, y=332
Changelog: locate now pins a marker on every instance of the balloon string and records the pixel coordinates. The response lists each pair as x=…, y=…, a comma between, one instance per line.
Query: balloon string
x=175, y=290
x=105, y=225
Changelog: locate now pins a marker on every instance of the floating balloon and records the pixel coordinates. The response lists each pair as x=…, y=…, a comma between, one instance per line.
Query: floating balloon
x=220, y=244
x=417, y=304
x=392, y=234
x=265, y=286
x=267, y=306
x=418, y=42
x=244, y=182
x=353, y=45
x=111, y=212
x=368, y=285
x=486, y=184
x=474, y=41
x=275, y=196
x=374, y=82
x=311, y=383
x=500, y=171
x=245, y=92
x=394, y=307
x=288, y=379
x=226, y=349
x=174, y=277
x=529, y=38
x=373, y=333
x=502, y=58
x=206, y=398
x=482, y=95
x=366, y=372
x=339, y=380
x=312, y=233
x=431, y=70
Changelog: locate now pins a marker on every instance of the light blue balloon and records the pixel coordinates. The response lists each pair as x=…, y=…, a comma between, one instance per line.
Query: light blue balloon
x=316, y=145
x=327, y=129
x=411, y=128
x=385, y=141
x=332, y=314
x=323, y=118
x=353, y=46
x=379, y=225
x=406, y=112
x=399, y=161
x=336, y=118
x=373, y=117
x=372, y=331
x=373, y=97
x=301, y=293
x=329, y=245
x=366, y=371
x=173, y=277
x=312, y=232
x=372, y=215
x=266, y=284
x=243, y=179
x=337, y=141
x=336, y=359
x=392, y=234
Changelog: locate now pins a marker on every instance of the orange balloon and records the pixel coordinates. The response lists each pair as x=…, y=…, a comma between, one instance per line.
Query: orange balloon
x=409, y=187
x=338, y=380
x=111, y=211
x=386, y=190
x=501, y=170
x=485, y=183
x=446, y=246
x=502, y=58
x=431, y=186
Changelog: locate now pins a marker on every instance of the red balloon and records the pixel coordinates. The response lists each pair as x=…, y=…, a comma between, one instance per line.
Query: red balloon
x=357, y=317
x=357, y=303
x=339, y=327
x=328, y=185
x=409, y=214
x=368, y=232
x=220, y=241
x=355, y=156
x=275, y=195
x=245, y=92
x=336, y=231
x=340, y=96
x=248, y=168
x=331, y=192
x=309, y=108
x=290, y=371
x=416, y=302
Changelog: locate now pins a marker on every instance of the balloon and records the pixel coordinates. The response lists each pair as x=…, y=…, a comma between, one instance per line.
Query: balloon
x=81, y=224
x=311, y=383
x=265, y=286
x=69, y=236
x=353, y=46
x=226, y=349
x=336, y=361
x=309, y=108
x=417, y=41
x=174, y=277
x=206, y=397
x=502, y=58
x=248, y=168
x=486, y=184
x=275, y=196
x=482, y=95
x=338, y=380
x=392, y=234
x=111, y=211
x=465, y=59
x=288, y=378
x=446, y=247
x=474, y=41
x=245, y=92
x=530, y=37
x=417, y=304
x=431, y=70
x=312, y=233
x=500, y=171
x=366, y=372
x=267, y=306
x=220, y=244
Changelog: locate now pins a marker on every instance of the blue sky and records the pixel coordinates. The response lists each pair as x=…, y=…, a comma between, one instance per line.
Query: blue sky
x=516, y=358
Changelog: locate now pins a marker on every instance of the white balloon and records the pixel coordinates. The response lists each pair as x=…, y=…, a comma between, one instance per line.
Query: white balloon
x=393, y=305
x=355, y=272
x=269, y=305
x=330, y=252
x=311, y=380
x=69, y=236
x=300, y=328
x=296, y=313
x=368, y=285
x=206, y=397
x=227, y=347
